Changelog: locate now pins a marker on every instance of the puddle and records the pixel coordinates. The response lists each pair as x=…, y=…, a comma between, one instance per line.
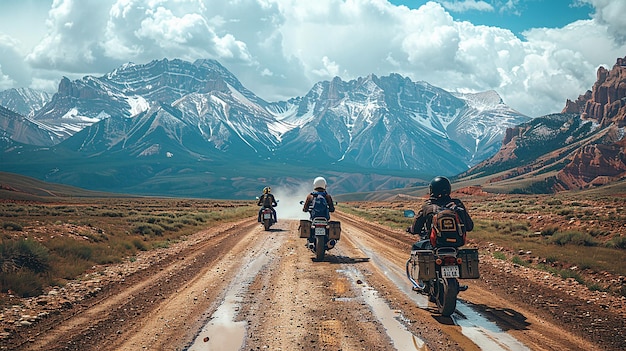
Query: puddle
x=484, y=333
x=222, y=332
x=401, y=338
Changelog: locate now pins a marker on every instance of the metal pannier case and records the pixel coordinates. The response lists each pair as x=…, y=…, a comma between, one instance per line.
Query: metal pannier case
x=426, y=262
x=304, y=228
x=335, y=230
x=469, y=265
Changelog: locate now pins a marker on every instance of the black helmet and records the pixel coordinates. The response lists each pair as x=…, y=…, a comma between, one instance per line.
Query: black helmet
x=440, y=186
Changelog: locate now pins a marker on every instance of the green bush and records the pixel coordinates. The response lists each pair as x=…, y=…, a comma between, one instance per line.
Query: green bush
x=499, y=255
x=549, y=231
x=23, y=254
x=148, y=229
x=573, y=238
x=140, y=245
x=22, y=283
x=12, y=226
x=71, y=248
x=518, y=260
x=617, y=242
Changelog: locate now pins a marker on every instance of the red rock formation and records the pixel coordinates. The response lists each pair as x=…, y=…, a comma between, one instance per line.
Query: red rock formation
x=606, y=102
x=604, y=162
x=595, y=164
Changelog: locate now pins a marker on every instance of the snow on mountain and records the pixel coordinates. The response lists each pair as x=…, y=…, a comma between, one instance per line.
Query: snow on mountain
x=180, y=111
x=24, y=101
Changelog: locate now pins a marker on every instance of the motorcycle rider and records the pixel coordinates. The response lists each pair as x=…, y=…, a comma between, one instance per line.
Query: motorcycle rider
x=319, y=186
x=267, y=200
x=439, y=189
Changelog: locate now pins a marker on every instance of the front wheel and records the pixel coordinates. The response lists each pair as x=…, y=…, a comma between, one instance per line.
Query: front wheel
x=446, y=301
x=320, y=247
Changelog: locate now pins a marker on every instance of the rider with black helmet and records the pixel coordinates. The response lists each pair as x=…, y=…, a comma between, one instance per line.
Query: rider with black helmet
x=440, y=190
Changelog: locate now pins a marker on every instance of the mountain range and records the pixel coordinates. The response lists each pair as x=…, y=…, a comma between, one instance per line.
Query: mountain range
x=178, y=128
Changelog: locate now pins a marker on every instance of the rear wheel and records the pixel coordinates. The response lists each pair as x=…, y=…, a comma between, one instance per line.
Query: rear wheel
x=446, y=301
x=267, y=224
x=320, y=247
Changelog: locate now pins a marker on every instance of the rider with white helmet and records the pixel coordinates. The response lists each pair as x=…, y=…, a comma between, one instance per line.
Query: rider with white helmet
x=319, y=187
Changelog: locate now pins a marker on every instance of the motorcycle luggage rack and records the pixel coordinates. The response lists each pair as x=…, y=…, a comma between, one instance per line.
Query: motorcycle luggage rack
x=445, y=251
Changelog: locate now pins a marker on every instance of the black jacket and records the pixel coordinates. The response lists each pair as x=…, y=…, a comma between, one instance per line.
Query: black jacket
x=267, y=200
x=423, y=219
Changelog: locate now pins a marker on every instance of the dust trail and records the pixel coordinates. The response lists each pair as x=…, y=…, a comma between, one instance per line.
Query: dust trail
x=289, y=198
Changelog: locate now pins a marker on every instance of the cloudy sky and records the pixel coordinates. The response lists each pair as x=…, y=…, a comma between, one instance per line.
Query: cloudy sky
x=534, y=53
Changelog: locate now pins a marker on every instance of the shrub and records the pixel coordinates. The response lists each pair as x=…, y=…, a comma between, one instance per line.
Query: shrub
x=552, y=259
x=499, y=255
x=518, y=260
x=139, y=245
x=23, y=283
x=574, y=238
x=12, y=226
x=23, y=254
x=148, y=229
x=617, y=242
x=549, y=231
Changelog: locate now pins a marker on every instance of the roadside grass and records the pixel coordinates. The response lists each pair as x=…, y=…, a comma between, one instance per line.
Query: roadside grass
x=48, y=244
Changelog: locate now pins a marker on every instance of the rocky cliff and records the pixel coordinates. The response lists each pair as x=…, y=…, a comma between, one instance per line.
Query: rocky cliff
x=606, y=101
x=605, y=161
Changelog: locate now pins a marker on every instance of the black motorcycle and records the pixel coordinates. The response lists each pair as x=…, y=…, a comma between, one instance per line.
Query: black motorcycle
x=323, y=232
x=267, y=217
x=435, y=273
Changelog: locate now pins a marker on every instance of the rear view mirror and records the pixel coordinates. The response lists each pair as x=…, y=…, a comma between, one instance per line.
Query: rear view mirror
x=409, y=213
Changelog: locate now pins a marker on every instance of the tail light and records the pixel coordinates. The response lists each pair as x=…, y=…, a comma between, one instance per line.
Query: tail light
x=449, y=260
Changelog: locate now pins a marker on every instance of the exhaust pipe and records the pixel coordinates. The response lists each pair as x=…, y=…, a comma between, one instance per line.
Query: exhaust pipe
x=331, y=243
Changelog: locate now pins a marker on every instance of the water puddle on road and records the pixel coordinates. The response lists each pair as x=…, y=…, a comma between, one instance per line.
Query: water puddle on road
x=402, y=338
x=222, y=332
x=484, y=333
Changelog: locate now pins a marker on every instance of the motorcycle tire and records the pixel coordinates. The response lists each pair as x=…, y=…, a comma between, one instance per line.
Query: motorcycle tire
x=446, y=301
x=267, y=224
x=320, y=248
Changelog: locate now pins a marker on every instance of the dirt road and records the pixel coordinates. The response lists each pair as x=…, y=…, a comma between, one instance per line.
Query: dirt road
x=238, y=287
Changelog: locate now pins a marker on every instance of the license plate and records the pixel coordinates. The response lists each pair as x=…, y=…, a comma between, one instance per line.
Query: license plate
x=320, y=231
x=267, y=215
x=449, y=271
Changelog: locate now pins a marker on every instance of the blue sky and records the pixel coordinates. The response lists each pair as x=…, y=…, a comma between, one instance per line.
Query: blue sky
x=517, y=16
x=535, y=53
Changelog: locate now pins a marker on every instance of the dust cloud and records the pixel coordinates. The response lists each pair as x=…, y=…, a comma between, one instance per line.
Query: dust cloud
x=289, y=198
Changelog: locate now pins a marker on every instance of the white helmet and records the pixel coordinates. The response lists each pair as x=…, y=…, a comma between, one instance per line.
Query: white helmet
x=319, y=182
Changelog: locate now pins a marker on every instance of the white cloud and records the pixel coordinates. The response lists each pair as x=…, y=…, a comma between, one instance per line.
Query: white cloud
x=280, y=48
x=467, y=5
x=611, y=13
x=13, y=71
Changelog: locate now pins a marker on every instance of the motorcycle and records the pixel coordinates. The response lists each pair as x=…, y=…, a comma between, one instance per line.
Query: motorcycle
x=326, y=233
x=267, y=217
x=436, y=272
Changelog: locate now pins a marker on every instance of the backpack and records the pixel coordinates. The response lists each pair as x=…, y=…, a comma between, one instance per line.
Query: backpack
x=319, y=205
x=267, y=200
x=447, y=229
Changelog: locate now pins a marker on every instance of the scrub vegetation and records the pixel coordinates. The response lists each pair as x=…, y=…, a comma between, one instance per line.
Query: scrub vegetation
x=45, y=244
